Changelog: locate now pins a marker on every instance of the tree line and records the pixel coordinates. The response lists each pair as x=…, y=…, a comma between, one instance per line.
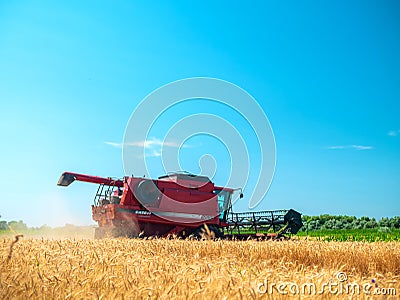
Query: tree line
x=310, y=223
x=328, y=222
x=15, y=225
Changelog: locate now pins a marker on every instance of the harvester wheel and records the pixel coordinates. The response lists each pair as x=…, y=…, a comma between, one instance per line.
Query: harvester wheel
x=207, y=232
x=217, y=232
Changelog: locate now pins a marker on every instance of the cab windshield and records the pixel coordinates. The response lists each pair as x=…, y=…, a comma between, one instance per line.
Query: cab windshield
x=224, y=199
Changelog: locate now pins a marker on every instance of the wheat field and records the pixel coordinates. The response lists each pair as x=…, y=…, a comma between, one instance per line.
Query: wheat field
x=184, y=269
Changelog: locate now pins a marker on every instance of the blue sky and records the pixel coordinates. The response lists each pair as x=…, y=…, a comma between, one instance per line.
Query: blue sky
x=326, y=73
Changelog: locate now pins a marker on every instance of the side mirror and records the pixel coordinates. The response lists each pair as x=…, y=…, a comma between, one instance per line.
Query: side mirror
x=241, y=195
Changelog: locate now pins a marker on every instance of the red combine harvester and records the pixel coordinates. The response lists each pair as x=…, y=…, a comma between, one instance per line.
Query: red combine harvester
x=179, y=204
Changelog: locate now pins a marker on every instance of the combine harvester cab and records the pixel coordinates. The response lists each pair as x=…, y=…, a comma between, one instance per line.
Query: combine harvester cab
x=178, y=204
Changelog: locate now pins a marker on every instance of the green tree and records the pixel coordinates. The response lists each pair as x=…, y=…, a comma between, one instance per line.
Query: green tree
x=395, y=222
x=384, y=222
x=4, y=225
x=371, y=223
x=17, y=225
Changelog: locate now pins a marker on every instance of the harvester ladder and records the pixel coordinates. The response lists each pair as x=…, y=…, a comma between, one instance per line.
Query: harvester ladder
x=98, y=195
x=103, y=192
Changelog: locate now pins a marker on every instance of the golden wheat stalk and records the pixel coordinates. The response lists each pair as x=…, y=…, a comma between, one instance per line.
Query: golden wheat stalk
x=184, y=269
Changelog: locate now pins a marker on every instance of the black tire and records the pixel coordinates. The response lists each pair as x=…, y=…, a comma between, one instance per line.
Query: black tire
x=213, y=232
x=219, y=234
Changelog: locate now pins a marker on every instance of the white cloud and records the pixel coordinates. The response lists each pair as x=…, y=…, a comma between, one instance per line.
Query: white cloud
x=116, y=145
x=361, y=147
x=151, y=143
x=356, y=147
x=154, y=153
x=154, y=142
x=394, y=132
